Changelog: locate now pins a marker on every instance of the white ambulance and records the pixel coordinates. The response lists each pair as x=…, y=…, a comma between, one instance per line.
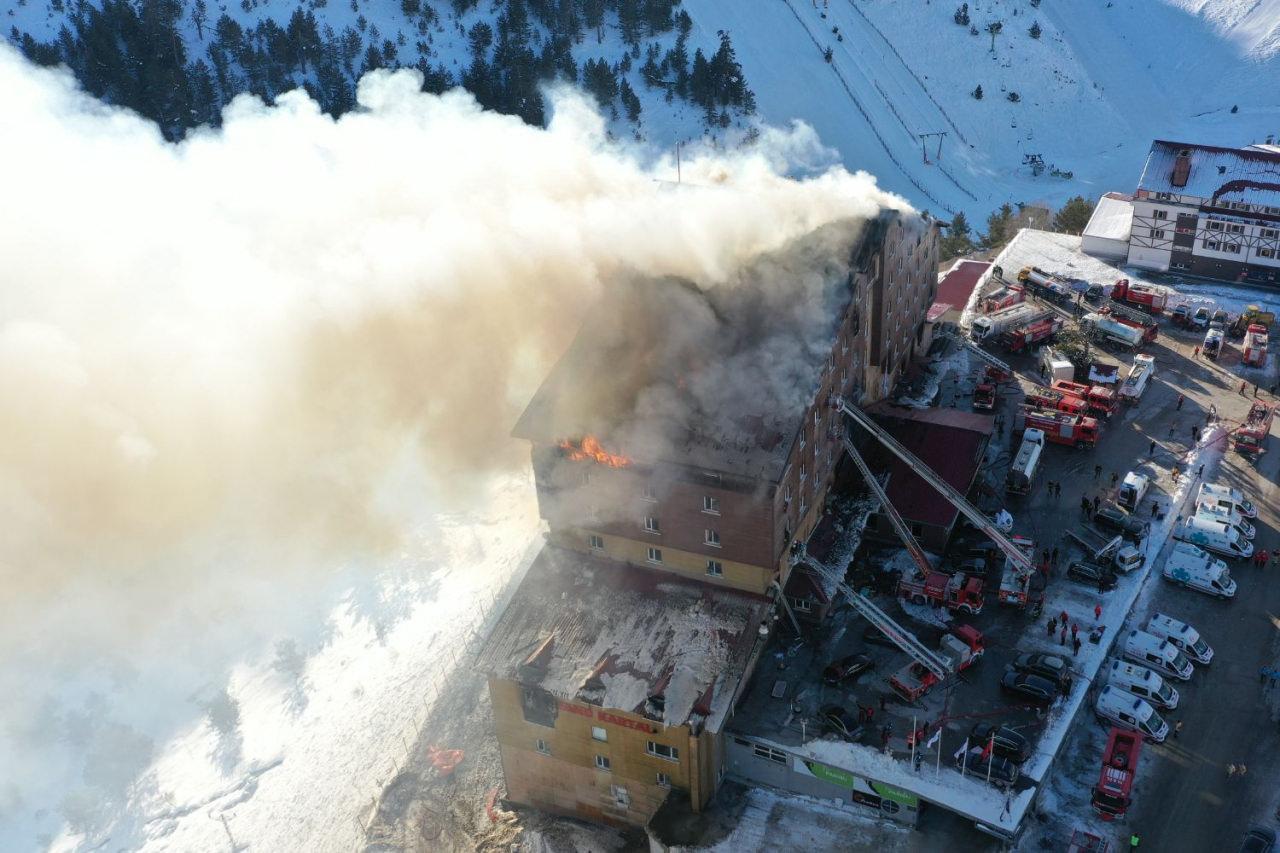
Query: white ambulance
x=1144, y=684
x=1127, y=711
x=1158, y=654
x=1183, y=636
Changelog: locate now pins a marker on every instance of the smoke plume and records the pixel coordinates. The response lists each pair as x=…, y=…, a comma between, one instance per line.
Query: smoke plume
x=219, y=358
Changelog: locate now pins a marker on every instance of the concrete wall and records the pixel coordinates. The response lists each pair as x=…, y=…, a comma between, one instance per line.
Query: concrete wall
x=756, y=764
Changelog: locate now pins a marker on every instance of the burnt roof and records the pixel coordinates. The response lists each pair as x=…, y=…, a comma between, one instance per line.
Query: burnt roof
x=608, y=634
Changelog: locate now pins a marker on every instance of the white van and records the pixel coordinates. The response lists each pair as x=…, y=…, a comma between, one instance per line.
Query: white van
x=1213, y=535
x=1158, y=654
x=1183, y=636
x=1132, y=489
x=1197, y=569
x=1214, y=510
x=1129, y=712
x=1144, y=684
x=1228, y=496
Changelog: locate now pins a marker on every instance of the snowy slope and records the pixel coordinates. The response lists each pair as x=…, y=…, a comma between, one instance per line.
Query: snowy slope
x=1103, y=79
x=1095, y=88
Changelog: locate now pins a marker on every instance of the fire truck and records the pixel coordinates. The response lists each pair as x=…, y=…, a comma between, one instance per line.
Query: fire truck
x=1143, y=323
x=1051, y=399
x=1252, y=433
x=1020, y=587
x=1102, y=401
x=1255, y=345
x=961, y=649
x=955, y=592
x=1047, y=285
x=1037, y=332
x=1005, y=297
x=1113, y=794
x=1075, y=431
x=1148, y=298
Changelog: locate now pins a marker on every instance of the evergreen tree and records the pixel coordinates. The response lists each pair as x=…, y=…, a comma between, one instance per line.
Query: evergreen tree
x=630, y=101
x=199, y=14
x=998, y=227
x=958, y=240
x=1073, y=216
x=977, y=93
x=1035, y=30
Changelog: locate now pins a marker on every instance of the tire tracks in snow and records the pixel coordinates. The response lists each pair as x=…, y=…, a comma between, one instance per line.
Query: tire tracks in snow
x=867, y=116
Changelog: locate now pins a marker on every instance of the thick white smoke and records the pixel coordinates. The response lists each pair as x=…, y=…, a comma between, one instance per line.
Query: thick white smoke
x=221, y=361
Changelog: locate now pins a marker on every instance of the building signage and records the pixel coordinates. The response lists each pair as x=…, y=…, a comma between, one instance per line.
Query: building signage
x=897, y=795
x=606, y=717
x=834, y=775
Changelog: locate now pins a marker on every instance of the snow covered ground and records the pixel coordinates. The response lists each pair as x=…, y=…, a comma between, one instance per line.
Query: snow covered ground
x=1102, y=80
x=287, y=752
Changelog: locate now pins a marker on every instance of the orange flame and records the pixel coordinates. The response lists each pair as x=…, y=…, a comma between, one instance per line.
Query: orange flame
x=590, y=448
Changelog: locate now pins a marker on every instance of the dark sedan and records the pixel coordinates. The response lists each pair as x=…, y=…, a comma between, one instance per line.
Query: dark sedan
x=1006, y=742
x=1112, y=517
x=1049, y=667
x=1000, y=771
x=1030, y=688
x=839, y=721
x=1093, y=575
x=847, y=668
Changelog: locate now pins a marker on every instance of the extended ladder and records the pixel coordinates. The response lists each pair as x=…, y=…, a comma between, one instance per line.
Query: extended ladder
x=900, y=636
x=904, y=533
x=1021, y=562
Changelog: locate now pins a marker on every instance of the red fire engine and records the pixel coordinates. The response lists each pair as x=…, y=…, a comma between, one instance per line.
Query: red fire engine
x=1112, y=795
x=1145, y=297
x=1055, y=400
x=1101, y=400
x=1059, y=427
x=1016, y=340
x=1252, y=433
x=955, y=592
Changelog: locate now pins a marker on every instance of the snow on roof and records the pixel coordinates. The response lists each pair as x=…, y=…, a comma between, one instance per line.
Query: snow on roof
x=613, y=635
x=1249, y=175
x=1112, y=219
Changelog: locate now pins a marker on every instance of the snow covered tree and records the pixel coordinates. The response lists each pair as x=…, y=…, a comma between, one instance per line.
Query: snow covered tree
x=630, y=101
x=977, y=93
x=1035, y=30
x=1014, y=96
x=1073, y=216
x=961, y=16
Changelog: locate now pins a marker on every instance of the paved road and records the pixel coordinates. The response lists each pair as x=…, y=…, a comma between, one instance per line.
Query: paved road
x=1185, y=801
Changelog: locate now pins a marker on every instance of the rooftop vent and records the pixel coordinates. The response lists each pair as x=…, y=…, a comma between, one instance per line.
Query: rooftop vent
x=1181, y=168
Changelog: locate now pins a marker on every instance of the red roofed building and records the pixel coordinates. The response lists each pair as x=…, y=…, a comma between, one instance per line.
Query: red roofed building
x=952, y=443
x=957, y=285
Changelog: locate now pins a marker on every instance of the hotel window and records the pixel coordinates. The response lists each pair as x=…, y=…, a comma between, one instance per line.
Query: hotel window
x=711, y=537
x=802, y=438
x=1269, y=233
x=661, y=750
x=1231, y=248
x=786, y=495
x=1266, y=253
x=1157, y=233
x=803, y=474
x=541, y=746
x=1211, y=244
x=655, y=555
x=770, y=753
x=1214, y=226
x=1235, y=229
x=710, y=504
x=649, y=495
x=715, y=569
x=651, y=524
x=663, y=780
x=602, y=762
x=598, y=733
x=801, y=604
x=595, y=542
x=1159, y=214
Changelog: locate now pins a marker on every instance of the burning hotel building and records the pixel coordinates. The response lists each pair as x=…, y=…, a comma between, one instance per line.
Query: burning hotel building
x=680, y=446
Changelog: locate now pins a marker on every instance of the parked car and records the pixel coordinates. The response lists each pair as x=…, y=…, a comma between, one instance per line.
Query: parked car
x=1092, y=574
x=1007, y=743
x=1258, y=839
x=839, y=721
x=850, y=666
x=1031, y=688
x=1050, y=667
x=1112, y=517
x=1000, y=771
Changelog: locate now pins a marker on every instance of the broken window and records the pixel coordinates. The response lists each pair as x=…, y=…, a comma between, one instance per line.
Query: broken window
x=651, y=524
x=661, y=750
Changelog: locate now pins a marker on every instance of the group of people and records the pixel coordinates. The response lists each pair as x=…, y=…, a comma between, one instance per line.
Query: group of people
x=1262, y=556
